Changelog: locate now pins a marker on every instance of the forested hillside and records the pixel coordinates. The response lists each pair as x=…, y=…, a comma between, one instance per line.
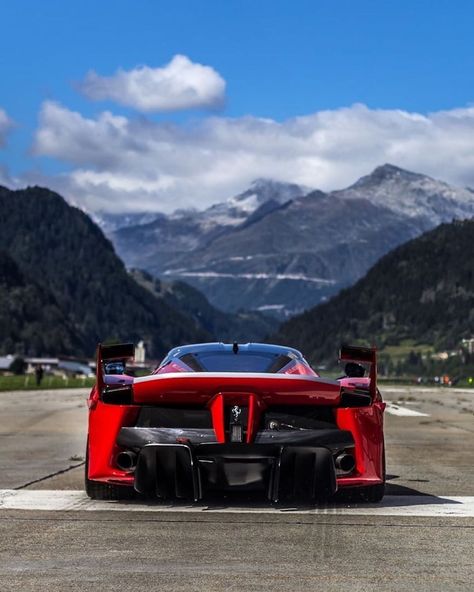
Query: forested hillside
x=422, y=291
x=29, y=314
x=242, y=326
x=64, y=289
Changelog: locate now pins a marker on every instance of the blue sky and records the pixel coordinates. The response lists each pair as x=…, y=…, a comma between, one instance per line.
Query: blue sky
x=280, y=60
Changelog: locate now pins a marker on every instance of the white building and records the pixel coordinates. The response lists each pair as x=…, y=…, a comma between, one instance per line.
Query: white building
x=469, y=344
x=140, y=354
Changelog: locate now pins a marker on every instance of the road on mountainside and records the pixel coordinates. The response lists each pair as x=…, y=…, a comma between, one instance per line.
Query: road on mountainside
x=420, y=538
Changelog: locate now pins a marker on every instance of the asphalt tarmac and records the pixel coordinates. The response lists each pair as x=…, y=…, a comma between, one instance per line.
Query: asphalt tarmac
x=420, y=538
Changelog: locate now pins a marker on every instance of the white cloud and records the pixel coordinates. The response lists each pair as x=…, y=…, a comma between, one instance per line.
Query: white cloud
x=181, y=84
x=6, y=124
x=123, y=164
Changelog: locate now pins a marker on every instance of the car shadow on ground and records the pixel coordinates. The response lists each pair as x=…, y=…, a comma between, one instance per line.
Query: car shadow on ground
x=392, y=488
x=396, y=496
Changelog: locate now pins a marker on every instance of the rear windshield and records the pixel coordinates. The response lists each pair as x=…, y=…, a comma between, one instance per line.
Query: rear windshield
x=220, y=361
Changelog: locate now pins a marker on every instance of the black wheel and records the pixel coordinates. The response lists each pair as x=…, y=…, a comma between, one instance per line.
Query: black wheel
x=105, y=491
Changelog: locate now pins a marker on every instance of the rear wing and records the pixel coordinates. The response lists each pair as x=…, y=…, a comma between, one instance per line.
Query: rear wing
x=201, y=387
x=120, y=352
x=355, y=353
x=364, y=355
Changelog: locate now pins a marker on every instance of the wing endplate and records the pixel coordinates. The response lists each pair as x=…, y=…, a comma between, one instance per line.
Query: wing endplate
x=354, y=353
x=366, y=355
x=106, y=353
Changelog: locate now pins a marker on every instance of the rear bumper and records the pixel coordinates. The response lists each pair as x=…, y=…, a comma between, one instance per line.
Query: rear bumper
x=184, y=471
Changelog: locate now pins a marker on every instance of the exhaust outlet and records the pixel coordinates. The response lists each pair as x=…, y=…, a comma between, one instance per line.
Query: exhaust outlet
x=126, y=460
x=345, y=462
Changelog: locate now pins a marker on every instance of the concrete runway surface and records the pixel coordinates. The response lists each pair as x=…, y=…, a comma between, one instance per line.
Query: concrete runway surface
x=420, y=538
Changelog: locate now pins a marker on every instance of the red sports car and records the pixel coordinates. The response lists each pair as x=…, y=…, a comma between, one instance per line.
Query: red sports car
x=220, y=417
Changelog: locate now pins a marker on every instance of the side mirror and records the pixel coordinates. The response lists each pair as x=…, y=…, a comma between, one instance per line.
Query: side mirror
x=354, y=370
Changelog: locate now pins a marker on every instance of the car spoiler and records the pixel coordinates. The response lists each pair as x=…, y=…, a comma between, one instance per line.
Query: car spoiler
x=109, y=353
x=201, y=387
x=204, y=387
x=363, y=355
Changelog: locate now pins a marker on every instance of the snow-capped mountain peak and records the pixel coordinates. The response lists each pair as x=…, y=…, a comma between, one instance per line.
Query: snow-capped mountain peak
x=235, y=210
x=267, y=189
x=412, y=194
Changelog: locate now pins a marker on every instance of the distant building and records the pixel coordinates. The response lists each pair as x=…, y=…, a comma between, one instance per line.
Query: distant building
x=6, y=362
x=440, y=356
x=48, y=364
x=69, y=366
x=75, y=367
x=140, y=353
x=469, y=344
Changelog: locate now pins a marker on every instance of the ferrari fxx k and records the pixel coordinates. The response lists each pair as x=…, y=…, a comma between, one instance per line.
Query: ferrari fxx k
x=220, y=417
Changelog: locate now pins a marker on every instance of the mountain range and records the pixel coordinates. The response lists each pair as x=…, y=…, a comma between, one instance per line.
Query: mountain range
x=420, y=293
x=276, y=247
x=281, y=248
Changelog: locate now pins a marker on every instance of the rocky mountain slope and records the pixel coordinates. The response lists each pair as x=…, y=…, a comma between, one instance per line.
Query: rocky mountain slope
x=152, y=246
x=422, y=291
x=274, y=249
x=413, y=195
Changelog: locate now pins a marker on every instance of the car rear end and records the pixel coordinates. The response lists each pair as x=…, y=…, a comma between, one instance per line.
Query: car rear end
x=181, y=434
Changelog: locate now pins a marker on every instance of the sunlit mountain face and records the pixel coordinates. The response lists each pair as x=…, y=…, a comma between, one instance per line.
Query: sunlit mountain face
x=282, y=248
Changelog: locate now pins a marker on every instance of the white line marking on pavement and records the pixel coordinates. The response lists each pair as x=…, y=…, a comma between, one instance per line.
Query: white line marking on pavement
x=426, y=389
x=392, y=505
x=403, y=411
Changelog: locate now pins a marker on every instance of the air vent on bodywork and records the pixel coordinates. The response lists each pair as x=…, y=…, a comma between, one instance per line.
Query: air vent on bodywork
x=298, y=417
x=174, y=417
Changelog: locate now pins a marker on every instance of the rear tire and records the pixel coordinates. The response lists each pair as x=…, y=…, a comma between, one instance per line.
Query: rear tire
x=104, y=491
